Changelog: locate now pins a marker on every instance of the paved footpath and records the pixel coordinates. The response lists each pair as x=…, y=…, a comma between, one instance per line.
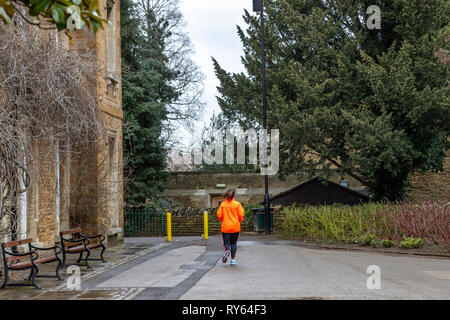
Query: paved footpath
x=190, y=268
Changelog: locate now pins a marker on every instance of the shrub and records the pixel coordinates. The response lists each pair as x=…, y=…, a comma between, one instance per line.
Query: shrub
x=369, y=240
x=248, y=215
x=387, y=243
x=410, y=243
x=334, y=222
x=369, y=223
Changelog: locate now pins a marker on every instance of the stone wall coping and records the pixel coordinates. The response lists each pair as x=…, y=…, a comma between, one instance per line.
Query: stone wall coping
x=212, y=172
x=114, y=231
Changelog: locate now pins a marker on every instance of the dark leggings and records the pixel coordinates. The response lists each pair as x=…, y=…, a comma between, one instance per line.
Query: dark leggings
x=230, y=242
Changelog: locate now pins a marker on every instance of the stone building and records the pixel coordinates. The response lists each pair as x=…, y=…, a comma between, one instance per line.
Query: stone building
x=86, y=189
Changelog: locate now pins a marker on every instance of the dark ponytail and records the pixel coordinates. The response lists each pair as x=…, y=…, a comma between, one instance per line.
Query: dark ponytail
x=230, y=193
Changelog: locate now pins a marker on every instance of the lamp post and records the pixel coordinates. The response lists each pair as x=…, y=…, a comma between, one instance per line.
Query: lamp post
x=259, y=7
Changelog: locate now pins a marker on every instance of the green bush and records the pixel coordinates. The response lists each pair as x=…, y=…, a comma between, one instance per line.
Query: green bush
x=370, y=223
x=369, y=240
x=248, y=215
x=334, y=222
x=411, y=243
x=387, y=243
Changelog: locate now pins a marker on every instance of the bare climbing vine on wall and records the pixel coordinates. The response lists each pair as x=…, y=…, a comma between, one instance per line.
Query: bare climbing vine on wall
x=45, y=97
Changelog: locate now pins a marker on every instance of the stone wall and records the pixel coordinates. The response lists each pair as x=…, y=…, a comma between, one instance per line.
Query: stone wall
x=106, y=215
x=46, y=228
x=90, y=179
x=194, y=225
x=195, y=189
x=431, y=186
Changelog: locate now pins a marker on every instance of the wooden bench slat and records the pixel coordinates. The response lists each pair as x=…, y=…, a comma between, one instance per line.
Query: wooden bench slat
x=46, y=259
x=21, y=264
x=13, y=258
x=68, y=245
x=76, y=249
x=16, y=243
x=10, y=244
x=70, y=231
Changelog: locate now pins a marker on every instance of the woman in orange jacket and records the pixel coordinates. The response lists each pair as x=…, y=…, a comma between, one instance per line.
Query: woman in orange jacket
x=230, y=213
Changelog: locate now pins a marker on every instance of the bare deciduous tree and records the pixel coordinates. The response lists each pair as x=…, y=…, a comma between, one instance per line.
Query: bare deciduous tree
x=165, y=17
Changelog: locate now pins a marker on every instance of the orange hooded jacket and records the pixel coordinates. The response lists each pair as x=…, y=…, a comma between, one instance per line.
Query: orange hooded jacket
x=230, y=213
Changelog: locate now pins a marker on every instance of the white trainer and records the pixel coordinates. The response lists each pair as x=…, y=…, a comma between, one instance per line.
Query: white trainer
x=225, y=256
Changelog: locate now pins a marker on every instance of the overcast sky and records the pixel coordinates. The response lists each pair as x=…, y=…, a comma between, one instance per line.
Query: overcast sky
x=211, y=26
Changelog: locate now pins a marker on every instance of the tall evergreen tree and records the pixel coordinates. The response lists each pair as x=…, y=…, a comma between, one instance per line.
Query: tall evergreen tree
x=373, y=103
x=161, y=85
x=146, y=93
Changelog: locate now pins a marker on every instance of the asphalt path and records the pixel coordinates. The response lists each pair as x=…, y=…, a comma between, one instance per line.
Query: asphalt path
x=191, y=268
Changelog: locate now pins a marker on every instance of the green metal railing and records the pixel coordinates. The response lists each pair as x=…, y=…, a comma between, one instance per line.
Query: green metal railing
x=144, y=222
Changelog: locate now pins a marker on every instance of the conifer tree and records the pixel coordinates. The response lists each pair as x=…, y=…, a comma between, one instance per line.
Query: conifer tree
x=146, y=92
x=370, y=103
x=160, y=86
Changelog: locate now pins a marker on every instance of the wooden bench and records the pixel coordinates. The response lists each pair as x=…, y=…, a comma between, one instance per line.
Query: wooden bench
x=28, y=260
x=79, y=244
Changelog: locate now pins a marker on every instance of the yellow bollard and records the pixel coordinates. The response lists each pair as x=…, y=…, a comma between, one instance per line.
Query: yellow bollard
x=169, y=226
x=205, y=224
